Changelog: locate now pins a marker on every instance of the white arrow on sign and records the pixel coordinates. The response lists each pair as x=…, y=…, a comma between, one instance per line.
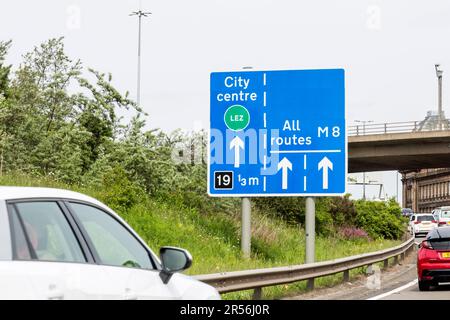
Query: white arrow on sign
x=284, y=165
x=324, y=165
x=236, y=143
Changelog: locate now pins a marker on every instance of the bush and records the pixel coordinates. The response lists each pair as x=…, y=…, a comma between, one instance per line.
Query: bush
x=352, y=233
x=118, y=191
x=324, y=219
x=343, y=210
x=380, y=219
x=290, y=209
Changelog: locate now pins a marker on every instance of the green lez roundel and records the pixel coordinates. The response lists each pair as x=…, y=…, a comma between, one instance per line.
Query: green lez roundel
x=237, y=118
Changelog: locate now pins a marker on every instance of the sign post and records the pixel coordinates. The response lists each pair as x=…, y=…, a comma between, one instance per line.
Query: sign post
x=310, y=230
x=277, y=133
x=246, y=228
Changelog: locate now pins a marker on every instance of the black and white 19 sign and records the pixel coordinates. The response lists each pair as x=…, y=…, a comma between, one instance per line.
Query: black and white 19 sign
x=223, y=180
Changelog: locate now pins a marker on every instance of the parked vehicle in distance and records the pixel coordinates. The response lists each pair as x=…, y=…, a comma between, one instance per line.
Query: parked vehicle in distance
x=443, y=215
x=407, y=212
x=59, y=244
x=420, y=223
x=433, y=258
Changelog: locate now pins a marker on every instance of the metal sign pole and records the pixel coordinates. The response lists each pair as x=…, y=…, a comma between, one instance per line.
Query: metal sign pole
x=246, y=227
x=310, y=227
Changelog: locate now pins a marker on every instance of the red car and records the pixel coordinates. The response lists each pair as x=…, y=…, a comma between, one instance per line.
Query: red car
x=433, y=258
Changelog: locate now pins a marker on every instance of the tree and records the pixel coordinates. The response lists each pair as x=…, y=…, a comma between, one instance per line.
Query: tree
x=4, y=69
x=96, y=113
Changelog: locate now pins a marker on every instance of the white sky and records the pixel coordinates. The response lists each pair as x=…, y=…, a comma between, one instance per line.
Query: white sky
x=388, y=49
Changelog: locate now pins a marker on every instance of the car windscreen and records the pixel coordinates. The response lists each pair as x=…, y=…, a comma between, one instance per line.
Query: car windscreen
x=425, y=218
x=440, y=244
x=445, y=213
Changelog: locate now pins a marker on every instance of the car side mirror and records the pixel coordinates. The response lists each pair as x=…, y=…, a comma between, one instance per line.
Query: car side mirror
x=173, y=260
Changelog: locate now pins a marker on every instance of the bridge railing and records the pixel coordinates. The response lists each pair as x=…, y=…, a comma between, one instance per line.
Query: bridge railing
x=397, y=127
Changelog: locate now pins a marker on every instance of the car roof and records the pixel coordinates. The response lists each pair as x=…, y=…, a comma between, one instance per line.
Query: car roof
x=423, y=214
x=441, y=232
x=15, y=193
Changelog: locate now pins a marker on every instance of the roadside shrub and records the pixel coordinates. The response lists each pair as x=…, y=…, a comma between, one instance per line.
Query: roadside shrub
x=290, y=209
x=118, y=191
x=324, y=219
x=380, y=219
x=343, y=210
x=351, y=233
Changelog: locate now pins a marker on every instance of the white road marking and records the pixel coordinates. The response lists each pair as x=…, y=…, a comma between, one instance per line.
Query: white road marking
x=264, y=78
x=381, y=296
x=264, y=183
x=304, y=162
x=264, y=99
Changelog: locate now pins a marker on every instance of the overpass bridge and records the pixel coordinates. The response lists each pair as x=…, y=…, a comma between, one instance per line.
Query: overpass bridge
x=398, y=146
x=407, y=147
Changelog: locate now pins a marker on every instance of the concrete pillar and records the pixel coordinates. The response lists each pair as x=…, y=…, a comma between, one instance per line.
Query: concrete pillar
x=414, y=195
x=403, y=191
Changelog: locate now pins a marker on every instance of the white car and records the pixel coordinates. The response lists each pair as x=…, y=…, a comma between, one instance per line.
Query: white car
x=421, y=223
x=442, y=215
x=59, y=244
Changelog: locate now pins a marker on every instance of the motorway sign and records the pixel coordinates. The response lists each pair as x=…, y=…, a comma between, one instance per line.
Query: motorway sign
x=277, y=133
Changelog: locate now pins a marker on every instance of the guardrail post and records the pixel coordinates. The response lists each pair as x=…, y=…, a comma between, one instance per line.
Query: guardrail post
x=310, y=284
x=385, y=127
x=395, y=259
x=386, y=264
x=346, y=275
x=257, y=293
x=357, y=130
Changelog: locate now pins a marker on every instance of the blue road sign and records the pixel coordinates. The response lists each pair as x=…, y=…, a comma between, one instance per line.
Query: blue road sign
x=277, y=133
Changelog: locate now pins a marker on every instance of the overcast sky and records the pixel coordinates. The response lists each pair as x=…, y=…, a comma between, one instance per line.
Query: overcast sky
x=387, y=48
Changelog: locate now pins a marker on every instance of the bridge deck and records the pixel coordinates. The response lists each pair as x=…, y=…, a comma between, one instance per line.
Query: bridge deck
x=399, y=151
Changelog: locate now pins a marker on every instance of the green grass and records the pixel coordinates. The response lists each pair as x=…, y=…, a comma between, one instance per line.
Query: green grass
x=213, y=239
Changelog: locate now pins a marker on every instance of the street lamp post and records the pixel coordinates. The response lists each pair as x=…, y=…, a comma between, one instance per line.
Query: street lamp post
x=139, y=14
x=439, y=73
x=364, y=174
